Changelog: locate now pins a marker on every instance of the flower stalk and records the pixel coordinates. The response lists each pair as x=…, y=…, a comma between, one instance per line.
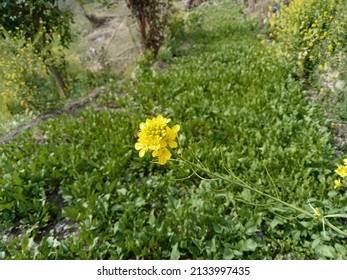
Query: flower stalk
x=237, y=181
x=157, y=136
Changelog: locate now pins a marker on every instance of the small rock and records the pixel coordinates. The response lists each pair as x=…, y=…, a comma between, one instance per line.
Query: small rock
x=160, y=66
x=191, y=4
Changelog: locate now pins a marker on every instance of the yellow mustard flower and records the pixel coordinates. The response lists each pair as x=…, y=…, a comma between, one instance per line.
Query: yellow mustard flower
x=345, y=161
x=341, y=171
x=163, y=155
x=316, y=212
x=151, y=135
x=337, y=184
x=155, y=135
x=171, y=134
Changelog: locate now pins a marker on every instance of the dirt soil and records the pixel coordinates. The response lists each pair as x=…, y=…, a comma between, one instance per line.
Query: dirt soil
x=113, y=43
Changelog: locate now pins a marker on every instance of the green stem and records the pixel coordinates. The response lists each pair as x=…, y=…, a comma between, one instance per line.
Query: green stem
x=336, y=216
x=334, y=227
x=264, y=194
x=235, y=180
x=244, y=185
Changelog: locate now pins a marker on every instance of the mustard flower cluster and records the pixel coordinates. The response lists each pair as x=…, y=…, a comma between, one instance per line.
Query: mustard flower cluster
x=19, y=64
x=341, y=171
x=311, y=32
x=155, y=135
x=23, y=71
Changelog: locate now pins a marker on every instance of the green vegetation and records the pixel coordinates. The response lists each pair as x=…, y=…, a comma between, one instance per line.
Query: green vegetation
x=312, y=34
x=45, y=25
x=34, y=15
x=33, y=37
x=76, y=188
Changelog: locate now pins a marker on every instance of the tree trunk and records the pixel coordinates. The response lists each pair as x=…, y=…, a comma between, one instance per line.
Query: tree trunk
x=142, y=22
x=59, y=81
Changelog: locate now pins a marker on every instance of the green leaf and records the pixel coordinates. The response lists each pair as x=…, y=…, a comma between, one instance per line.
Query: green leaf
x=228, y=254
x=151, y=219
x=217, y=228
x=326, y=251
x=275, y=222
x=175, y=253
x=315, y=243
x=2, y=255
x=321, y=178
x=246, y=194
x=27, y=243
x=16, y=179
x=71, y=213
x=251, y=230
x=248, y=245
x=340, y=249
x=7, y=206
x=304, y=224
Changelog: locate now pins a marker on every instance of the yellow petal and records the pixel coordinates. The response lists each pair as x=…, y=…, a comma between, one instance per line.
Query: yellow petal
x=162, y=119
x=163, y=155
x=171, y=133
x=142, y=125
x=337, y=183
x=341, y=171
x=176, y=128
x=142, y=152
x=173, y=144
x=139, y=146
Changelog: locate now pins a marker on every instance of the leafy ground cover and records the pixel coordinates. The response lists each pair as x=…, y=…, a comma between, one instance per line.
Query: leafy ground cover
x=83, y=192
x=312, y=33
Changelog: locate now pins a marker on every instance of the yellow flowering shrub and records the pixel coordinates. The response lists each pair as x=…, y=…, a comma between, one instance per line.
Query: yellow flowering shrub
x=309, y=31
x=155, y=135
x=19, y=67
x=25, y=83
